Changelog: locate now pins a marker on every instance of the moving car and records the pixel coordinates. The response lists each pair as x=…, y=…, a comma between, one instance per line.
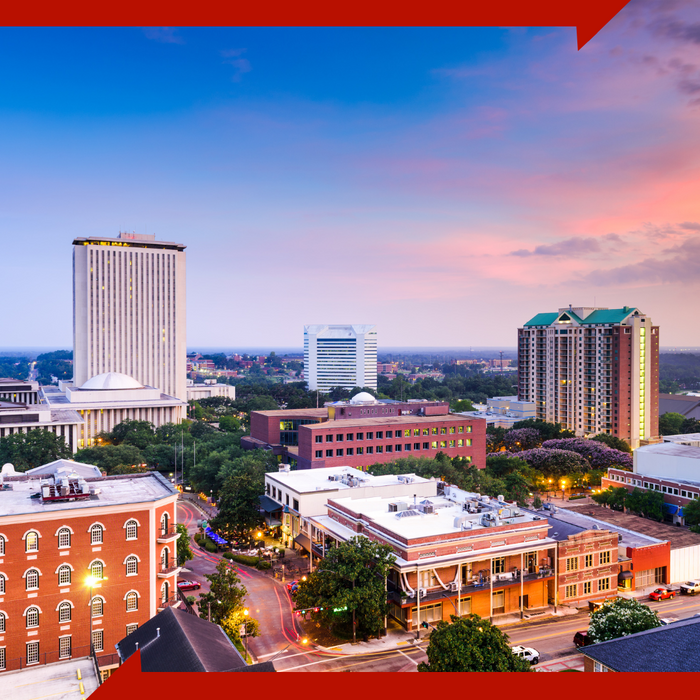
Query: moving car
x=581, y=639
x=188, y=585
x=662, y=594
x=690, y=587
x=527, y=653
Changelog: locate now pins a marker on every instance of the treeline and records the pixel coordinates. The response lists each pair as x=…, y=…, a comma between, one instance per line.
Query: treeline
x=57, y=364
x=14, y=367
x=677, y=424
x=648, y=504
x=678, y=371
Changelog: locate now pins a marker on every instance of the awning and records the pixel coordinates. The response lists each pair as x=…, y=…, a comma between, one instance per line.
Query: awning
x=268, y=505
x=671, y=509
x=272, y=521
x=303, y=541
x=625, y=576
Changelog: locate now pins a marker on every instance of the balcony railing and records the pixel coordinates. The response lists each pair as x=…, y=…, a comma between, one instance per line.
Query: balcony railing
x=165, y=571
x=167, y=534
x=52, y=657
x=172, y=602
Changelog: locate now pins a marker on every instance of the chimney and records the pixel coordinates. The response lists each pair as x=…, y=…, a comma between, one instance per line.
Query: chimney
x=415, y=501
x=157, y=632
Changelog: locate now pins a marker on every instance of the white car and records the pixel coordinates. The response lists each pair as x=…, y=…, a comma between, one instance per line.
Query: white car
x=527, y=653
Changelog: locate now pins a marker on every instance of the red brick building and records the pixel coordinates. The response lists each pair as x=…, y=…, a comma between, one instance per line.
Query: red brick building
x=83, y=560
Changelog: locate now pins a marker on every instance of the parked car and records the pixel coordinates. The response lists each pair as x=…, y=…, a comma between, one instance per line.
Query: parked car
x=581, y=639
x=662, y=594
x=668, y=620
x=690, y=587
x=293, y=587
x=527, y=653
x=188, y=585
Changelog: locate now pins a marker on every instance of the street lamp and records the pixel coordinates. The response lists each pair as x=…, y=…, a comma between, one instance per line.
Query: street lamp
x=246, y=612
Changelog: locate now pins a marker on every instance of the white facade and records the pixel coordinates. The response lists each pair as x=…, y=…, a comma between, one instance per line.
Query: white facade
x=668, y=460
x=63, y=421
x=207, y=390
x=129, y=311
x=340, y=356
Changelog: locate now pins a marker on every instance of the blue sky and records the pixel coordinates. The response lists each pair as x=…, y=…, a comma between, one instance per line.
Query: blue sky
x=442, y=183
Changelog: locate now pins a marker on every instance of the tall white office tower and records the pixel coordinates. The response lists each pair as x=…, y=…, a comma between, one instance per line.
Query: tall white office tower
x=129, y=311
x=344, y=356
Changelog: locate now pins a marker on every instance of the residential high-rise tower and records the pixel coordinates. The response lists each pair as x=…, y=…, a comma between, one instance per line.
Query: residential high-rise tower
x=593, y=370
x=343, y=356
x=129, y=311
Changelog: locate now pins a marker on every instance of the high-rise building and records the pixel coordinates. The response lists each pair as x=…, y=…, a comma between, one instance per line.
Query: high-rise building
x=593, y=370
x=343, y=356
x=129, y=311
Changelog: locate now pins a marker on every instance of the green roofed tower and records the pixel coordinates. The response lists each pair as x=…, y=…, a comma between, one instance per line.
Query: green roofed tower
x=593, y=370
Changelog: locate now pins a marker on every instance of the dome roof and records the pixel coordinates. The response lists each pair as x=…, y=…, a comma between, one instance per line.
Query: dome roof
x=111, y=380
x=363, y=397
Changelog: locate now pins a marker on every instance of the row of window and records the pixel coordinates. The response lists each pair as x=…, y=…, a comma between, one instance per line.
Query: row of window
x=572, y=563
x=586, y=588
x=379, y=449
x=655, y=487
x=389, y=434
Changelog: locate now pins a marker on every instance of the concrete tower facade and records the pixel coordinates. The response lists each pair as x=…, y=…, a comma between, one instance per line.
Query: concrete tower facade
x=129, y=311
x=593, y=370
x=344, y=356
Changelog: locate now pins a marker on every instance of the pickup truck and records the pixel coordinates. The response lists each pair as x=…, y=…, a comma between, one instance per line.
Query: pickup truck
x=690, y=587
x=662, y=594
x=527, y=653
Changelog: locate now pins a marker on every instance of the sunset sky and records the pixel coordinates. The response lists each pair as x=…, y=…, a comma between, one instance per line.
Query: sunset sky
x=445, y=184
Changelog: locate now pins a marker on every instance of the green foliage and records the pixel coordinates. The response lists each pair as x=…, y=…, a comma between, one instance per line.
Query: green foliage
x=461, y=405
x=14, y=368
x=225, y=595
x=619, y=617
x=128, y=469
x=57, y=363
x=263, y=565
x=210, y=546
x=611, y=441
x=351, y=578
x=108, y=457
x=681, y=370
x=470, y=644
x=691, y=513
x=184, y=550
x=677, y=424
x=243, y=558
x=548, y=431
x=646, y=503
x=32, y=449
x=229, y=424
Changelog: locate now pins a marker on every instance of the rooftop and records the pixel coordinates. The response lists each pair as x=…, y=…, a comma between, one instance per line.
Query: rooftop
x=687, y=437
x=136, y=242
x=58, y=681
x=111, y=380
x=295, y=413
x=671, y=449
x=385, y=421
x=54, y=397
x=311, y=480
x=597, y=316
x=23, y=496
x=635, y=525
x=673, y=647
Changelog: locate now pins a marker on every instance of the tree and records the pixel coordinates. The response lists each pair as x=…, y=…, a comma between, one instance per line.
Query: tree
x=520, y=439
x=128, y=469
x=350, y=587
x=691, y=515
x=611, y=441
x=619, y=617
x=461, y=405
x=470, y=643
x=108, y=457
x=32, y=449
x=233, y=622
x=139, y=433
x=229, y=424
x=184, y=550
x=225, y=595
x=670, y=423
x=548, y=431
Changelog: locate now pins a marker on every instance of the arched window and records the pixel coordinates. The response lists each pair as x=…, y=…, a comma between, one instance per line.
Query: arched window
x=32, y=616
x=64, y=575
x=31, y=541
x=63, y=538
x=164, y=520
x=132, y=601
x=3, y=623
x=64, y=612
x=2, y=584
x=164, y=558
x=31, y=579
x=97, y=606
x=97, y=570
x=132, y=530
x=2, y=545
x=132, y=566
x=164, y=592
x=96, y=534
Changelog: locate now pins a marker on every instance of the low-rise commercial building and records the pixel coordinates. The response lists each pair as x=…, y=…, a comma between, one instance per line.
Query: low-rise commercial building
x=209, y=388
x=19, y=391
x=64, y=422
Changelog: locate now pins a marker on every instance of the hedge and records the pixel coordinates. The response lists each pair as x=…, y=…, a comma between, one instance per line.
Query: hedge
x=243, y=559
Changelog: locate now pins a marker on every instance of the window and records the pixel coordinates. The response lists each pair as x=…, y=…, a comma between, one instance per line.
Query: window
x=406, y=433
x=468, y=442
x=97, y=569
x=3, y=626
x=329, y=438
x=380, y=435
x=434, y=431
x=164, y=592
x=64, y=575
x=683, y=493
x=319, y=454
x=2, y=545
x=132, y=601
x=572, y=564
x=379, y=448
x=570, y=591
x=398, y=448
x=452, y=430
x=2, y=584
x=64, y=646
x=390, y=434
x=3, y=660
x=339, y=453
x=64, y=611
x=132, y=566
x=131, y=628
x=63, y=538
x=433, y=445
x=132, y=530
x=32, y=653
x=443, y=431
x=97, y=607
x=586, y=587
x=426, y=445
x=349, y=451
x=498, y=565
x=469, y=429
x=319, y=438
x=32, y=617
x=426, y=431
x=407, y=447
x=349, y=437
x=360, y=436
x=295, y=504
x=98, y=640
x=96, y=534
x=460, y=443
x=370, y=436
x=31, y=541
x=339, y=437
x=452, y=443
x=360, y=450
x=329, y=453
x=604, y=584
x=605, y=557
x=416, y=431
x=370, y=450
x=588, y=561
x=389, y=448
x=32, y=580
x=443, y=443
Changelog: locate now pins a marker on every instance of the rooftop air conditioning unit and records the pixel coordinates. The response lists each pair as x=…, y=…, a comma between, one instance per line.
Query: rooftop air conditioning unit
x=428, y=508
x=454, y=586
x=393, y=508
x=423, y=592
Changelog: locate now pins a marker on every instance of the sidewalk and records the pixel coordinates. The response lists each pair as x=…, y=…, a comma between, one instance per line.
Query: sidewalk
x=566, y=663
x=395, y=639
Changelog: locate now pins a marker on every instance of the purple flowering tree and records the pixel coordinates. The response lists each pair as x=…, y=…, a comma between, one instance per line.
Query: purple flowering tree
x=520, y=439
x=599, y=456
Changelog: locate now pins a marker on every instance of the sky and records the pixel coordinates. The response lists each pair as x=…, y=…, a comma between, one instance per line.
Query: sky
x=446, y=184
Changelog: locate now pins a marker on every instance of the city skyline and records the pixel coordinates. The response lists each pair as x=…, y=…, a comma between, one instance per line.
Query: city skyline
x=468, y=184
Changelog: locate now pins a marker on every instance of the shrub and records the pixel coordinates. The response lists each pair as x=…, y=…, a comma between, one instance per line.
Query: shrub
x=243, y=559
x=263, y=565
x=210, y=546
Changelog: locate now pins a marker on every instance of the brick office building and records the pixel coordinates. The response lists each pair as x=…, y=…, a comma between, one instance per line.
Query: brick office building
x=364, y=431
x=57, y=532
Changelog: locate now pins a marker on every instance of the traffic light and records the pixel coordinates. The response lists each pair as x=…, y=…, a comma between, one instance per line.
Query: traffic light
x=424, y=624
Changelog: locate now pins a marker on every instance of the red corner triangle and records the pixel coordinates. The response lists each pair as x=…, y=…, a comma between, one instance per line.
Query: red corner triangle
x=594, y=16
